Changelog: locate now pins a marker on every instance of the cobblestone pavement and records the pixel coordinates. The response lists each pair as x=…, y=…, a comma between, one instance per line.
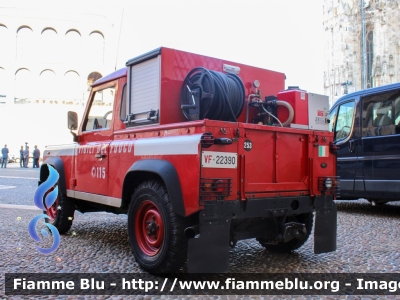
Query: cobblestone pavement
x=368, y=241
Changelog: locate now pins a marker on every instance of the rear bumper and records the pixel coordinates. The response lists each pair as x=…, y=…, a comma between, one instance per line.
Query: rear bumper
x=264, y=207
x=215, y=226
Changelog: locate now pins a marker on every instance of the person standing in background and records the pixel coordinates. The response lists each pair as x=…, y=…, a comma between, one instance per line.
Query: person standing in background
x=36, y=156
x=4, y=153
x=21, y=157
x=26, y=155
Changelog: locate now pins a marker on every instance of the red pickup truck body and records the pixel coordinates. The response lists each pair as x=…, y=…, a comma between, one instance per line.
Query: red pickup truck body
x=193, y=186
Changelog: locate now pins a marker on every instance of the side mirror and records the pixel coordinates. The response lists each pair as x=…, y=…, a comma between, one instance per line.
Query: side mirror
x=73, y=124
x=72, y=120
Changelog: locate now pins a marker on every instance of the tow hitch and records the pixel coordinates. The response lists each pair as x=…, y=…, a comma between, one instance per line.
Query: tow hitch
x=294, y=230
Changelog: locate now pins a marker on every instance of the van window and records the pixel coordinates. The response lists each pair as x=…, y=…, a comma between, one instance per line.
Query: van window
x=344, y=121
x=381, y=114
x=397, y=114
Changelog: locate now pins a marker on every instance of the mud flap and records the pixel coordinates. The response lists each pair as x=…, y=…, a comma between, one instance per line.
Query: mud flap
x=209, y=252
x=325, y=231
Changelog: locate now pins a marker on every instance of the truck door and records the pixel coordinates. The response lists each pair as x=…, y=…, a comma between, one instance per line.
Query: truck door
x=342, y=123
x=93, y=151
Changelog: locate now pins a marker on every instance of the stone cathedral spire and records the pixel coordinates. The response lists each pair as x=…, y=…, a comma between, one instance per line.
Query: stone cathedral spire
x=361, y=45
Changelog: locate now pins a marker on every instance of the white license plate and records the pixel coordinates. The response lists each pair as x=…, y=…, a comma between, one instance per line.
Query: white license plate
x=212, y=159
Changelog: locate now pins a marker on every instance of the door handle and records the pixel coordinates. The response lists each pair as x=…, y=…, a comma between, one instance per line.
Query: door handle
x=351, y=146
x=99, y=155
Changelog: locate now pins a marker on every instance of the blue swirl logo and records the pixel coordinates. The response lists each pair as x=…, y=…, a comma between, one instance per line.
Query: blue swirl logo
x=45, y=196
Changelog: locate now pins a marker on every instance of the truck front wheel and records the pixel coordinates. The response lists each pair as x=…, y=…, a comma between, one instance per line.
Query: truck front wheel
x=61, y=213
x=293, y=244
x=156, y=233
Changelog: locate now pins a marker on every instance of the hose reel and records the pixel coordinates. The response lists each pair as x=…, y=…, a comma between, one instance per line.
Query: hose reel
x=212, y=95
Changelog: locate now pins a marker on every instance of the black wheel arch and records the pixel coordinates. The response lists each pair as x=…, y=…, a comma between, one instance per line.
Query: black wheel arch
x=163, y=170
x=58, y=164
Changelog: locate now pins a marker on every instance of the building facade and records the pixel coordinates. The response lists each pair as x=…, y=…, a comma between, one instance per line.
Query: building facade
x=362, y=45
x=50, y=55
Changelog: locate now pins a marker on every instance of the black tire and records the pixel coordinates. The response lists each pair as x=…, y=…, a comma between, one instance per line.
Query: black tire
x=307, y=219
x=61, y=213
x=156, y=233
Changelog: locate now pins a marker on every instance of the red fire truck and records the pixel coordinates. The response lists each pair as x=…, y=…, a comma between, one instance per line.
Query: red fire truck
x=199, y=153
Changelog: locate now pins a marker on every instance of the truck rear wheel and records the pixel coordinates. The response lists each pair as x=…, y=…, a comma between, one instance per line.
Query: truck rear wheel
x=156, y=233
x=61, y=213
x=293, y=244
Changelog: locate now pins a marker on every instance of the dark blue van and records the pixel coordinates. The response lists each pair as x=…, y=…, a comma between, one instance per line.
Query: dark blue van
x=367, y=134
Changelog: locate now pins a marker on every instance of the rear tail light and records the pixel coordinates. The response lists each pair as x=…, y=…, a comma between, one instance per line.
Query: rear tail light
x=215, y=188
x=207, y=140
x=329, y=185
x=206, y=187
x=221, y=186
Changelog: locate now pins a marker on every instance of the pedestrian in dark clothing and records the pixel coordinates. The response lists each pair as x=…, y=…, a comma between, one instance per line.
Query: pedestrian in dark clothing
x=36, y=156
x=4, y=153
x=21, y=157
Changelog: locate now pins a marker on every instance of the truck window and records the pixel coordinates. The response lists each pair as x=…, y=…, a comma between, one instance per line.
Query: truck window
x=144, y=92
x=379, y=114
x=344, y=121
x=100, y=113
x=123, y=110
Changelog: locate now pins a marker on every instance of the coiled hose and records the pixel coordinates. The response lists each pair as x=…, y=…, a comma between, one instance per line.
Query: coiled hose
x=221, y=96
